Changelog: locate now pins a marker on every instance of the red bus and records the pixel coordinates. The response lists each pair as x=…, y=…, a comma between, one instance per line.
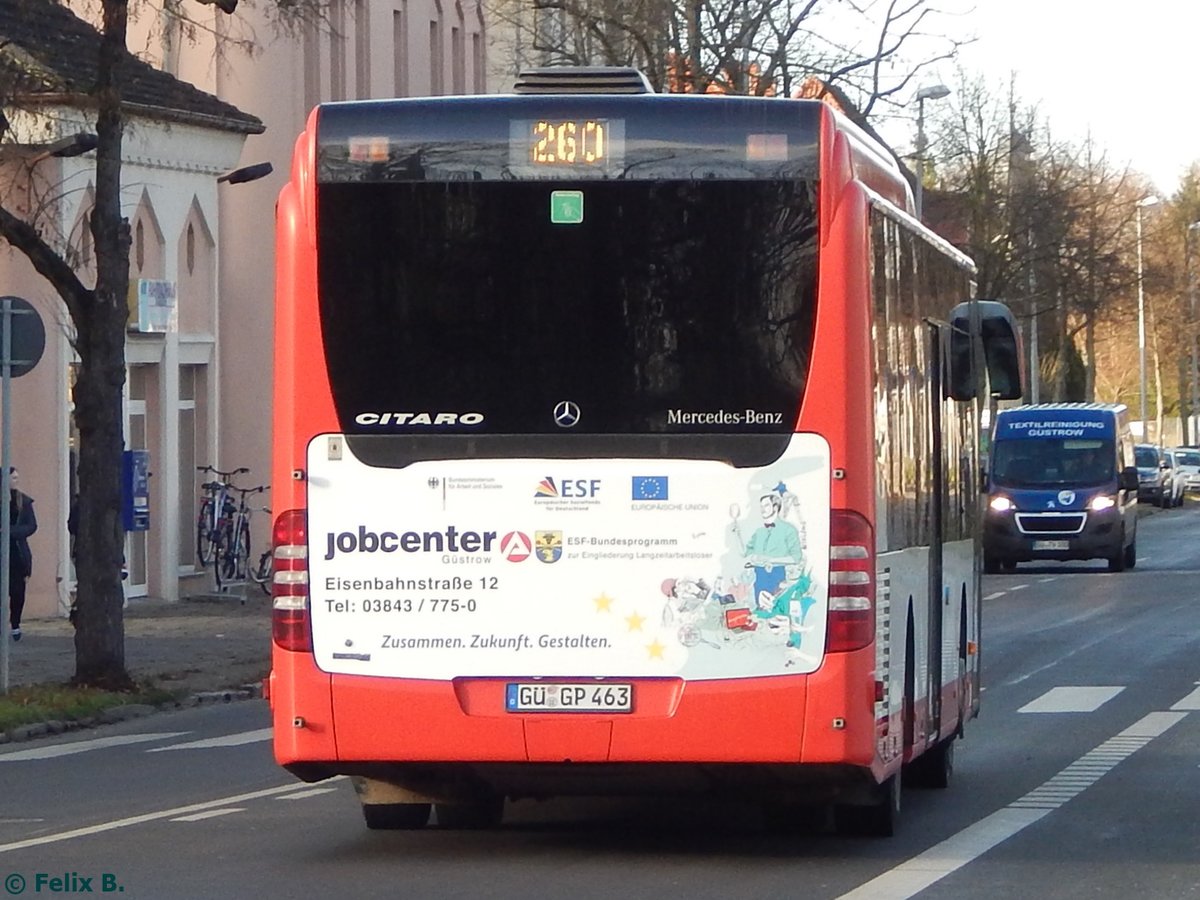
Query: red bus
x=628, y=443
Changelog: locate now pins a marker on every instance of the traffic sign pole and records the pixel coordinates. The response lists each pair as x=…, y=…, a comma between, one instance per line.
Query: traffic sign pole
x=22, y=341
x=6, y=316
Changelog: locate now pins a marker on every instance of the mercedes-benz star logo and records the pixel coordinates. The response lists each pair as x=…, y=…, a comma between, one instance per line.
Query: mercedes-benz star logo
x=566, y=414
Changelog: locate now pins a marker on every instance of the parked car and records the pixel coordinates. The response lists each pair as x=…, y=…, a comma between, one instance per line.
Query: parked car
x=1188, y=460
x=1153, y=481
x=1176, y=478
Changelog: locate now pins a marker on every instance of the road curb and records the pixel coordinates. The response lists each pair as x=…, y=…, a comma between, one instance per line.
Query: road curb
x=124, y=713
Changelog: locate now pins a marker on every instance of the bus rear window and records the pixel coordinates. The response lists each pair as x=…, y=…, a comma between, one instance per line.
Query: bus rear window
x=652, y=306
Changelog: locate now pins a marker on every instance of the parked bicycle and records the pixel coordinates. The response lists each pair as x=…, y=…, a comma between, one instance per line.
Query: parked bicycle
x=262, y=571
x=215, y=515
x=233, y=564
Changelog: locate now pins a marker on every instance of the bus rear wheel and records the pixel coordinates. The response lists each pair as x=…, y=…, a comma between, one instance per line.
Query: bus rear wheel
x=794, y=818
x=392, y=816
x=484, y=812
x=880, y=818
x=933, y=768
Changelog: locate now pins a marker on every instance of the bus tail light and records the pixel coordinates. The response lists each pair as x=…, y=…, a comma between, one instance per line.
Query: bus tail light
x=851, y=582
x=291, y=627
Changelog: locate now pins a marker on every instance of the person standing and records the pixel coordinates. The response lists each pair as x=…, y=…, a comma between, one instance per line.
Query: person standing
x=22, y=523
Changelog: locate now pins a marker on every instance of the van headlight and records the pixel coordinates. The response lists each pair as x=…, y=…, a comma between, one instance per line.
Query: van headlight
x=1001, y=503
x=1102, y=501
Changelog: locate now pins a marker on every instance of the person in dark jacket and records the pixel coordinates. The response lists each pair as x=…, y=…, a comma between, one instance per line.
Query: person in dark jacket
x=22, y=524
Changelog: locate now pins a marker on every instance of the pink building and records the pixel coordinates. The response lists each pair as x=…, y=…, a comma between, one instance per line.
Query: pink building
x=199, y=391
x=178, y=140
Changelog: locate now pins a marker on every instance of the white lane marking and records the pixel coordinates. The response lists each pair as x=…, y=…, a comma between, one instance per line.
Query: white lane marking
x=311, y=792
x=148, y=817
x=228, y=740
x=1018, y=587
x=1048, y=580
x=995, y=595
x=937, y=862
x=914, y=875
x=55, y=750
x=1151, y=726
x=1190, y=702
x=209, y=814
x=1065, y=700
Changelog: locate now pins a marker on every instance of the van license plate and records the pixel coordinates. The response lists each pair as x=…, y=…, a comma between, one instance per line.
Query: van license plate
x=543, y=697
x=1051, y=545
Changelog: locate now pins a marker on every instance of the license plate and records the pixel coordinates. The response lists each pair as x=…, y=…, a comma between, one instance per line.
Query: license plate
x=544, y=697
x=1051, y=545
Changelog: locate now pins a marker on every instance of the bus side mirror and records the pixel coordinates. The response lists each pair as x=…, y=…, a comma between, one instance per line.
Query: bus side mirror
x=1129, y=479
x=992, y=324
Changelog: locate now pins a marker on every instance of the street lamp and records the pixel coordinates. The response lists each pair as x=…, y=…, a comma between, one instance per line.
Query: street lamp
x=1194, y=423
x=72, y=145
x=930, y=92
x=1141, y=302
x=246, y=173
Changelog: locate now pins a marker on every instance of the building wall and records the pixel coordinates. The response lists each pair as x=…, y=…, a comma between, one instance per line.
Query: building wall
x=366, y=49
x=169, y=174
x=385, y=49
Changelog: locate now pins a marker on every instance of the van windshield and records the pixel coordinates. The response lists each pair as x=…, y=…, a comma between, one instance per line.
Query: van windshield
x=1052, y=463
x=1145, y=457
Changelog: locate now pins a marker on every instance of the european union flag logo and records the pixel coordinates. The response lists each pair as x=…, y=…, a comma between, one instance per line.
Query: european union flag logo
x=649, y=487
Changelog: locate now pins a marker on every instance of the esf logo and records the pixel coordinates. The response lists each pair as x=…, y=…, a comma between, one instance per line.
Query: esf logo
x=452, y=540
x=567, y=488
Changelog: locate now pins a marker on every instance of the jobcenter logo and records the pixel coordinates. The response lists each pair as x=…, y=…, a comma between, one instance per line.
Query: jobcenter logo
x=450, y=540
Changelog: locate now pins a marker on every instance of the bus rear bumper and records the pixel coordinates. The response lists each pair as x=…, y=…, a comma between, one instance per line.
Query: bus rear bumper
x=432, y=736
x=459, y=782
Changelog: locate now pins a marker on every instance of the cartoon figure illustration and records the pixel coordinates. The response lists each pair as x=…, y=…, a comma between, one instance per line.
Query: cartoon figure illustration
x=788, y=609
x=685, y=606
x=782, y=586
x=773, y=547
x=685, y=597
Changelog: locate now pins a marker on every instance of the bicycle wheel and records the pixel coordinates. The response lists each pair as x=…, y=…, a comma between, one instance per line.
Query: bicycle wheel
x=225, y=566
x=205, y=546
x=241, y=553
x=261, y=573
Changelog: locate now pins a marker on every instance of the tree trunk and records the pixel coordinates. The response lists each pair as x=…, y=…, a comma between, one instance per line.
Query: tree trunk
x=1158, y=385
x=100, y=626
x=1184, y=404
x=1089, y=341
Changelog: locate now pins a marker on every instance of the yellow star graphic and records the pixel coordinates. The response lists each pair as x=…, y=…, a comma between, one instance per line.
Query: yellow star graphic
x=655, y=649
x=603, y=603
x=635, y=622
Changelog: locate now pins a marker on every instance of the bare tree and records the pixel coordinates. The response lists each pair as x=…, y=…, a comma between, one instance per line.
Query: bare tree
x=1049, y=226
x=97, y=314
x=762, y=47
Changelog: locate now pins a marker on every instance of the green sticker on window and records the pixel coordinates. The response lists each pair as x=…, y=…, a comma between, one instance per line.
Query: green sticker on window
x=566, y=207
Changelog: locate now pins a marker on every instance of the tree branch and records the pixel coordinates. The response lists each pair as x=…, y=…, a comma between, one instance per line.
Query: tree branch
x=25, y=238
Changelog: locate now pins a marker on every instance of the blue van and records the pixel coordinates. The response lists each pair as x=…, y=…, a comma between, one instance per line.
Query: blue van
x=1061, y=484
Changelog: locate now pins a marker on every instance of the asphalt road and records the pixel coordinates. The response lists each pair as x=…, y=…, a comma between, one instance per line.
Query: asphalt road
x=1079, y=780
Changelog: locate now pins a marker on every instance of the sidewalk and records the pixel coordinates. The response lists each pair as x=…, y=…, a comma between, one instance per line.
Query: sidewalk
x=200, y=644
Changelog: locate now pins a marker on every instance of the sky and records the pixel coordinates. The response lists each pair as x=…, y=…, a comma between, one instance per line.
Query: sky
x=1129, y=71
